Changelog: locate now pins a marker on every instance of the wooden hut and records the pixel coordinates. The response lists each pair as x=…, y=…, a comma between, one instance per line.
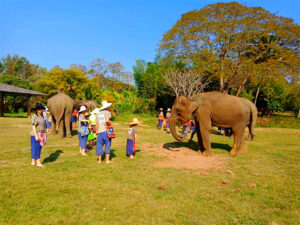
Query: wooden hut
x=6, y=90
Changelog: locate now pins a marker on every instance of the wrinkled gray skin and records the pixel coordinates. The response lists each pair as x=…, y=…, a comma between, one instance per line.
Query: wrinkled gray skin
x=61, y=107
x=213, y=109
x=252, y=118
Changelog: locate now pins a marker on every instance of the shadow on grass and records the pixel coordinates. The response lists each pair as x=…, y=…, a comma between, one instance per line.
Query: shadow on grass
x=74, y=132
x=221, y=146
x=112, y=154
x=52, y=157
x=194, y=146
x=170, y=146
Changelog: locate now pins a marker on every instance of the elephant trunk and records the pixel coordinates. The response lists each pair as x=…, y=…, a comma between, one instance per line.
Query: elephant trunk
x=173, y=121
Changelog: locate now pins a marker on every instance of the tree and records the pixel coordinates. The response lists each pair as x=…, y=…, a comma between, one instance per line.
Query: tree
x=185, y=82
x=69, y=81
x=234, y=43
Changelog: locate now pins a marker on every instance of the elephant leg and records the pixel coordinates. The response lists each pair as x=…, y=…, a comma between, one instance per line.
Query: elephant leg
x=206, y=140
x=233, y=150
x=68, y=124
x=200, y=141
x=61, y=128
x=249, y=137
x=239, y=145
x=53, y=125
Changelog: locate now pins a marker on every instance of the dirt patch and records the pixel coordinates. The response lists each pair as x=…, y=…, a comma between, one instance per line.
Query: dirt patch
x=185, y=158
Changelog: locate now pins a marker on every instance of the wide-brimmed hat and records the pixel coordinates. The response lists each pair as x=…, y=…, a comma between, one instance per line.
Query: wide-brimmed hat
x=82, y=108
x=39, y=106
x=134, y=121
x=105, y=105
x=160, y=109
x=169, y=109
x=95, y=111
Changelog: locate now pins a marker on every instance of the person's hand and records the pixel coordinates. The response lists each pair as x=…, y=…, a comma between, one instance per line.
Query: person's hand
x=36, y=138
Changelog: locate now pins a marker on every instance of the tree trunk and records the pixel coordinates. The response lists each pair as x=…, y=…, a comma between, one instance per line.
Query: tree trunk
x=241, y=87
x=298, y=114
x=257, y=93
x=28, y=108
x=221, y=77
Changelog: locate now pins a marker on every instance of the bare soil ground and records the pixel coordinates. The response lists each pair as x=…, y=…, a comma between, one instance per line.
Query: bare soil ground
x=184, y=158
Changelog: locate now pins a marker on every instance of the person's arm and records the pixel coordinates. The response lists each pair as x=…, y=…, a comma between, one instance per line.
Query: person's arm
x=108, y=123
x=96, y=125
x=35, y=133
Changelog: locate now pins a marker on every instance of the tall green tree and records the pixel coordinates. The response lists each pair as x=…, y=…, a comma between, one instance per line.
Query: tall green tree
x=234, y=43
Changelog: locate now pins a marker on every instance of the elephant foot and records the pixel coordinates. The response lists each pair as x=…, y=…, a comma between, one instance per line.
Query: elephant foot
x=69, y=136
x=233, y=153
x=206, y=153
x=54, y=132
x=243, y=149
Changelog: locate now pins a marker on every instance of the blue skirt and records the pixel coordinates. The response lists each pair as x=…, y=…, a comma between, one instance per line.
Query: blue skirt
x=36, y=148
x=129, y=148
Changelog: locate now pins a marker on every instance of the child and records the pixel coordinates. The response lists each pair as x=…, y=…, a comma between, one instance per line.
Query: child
x=160, y=119
x=185, y=130
x=131, y=138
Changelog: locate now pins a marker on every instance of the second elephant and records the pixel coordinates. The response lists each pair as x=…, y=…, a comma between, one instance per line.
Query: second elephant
x=212, y=109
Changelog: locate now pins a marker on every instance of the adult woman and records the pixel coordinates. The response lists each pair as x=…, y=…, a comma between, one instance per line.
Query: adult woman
x=82, y=130
x=38, y=135
x=102, y=121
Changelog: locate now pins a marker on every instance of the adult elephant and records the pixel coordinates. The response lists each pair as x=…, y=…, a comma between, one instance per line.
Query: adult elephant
x=212, y=109
x=61, y=107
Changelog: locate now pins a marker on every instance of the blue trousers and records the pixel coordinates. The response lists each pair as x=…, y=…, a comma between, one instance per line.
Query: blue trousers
x=160, y=123
x=82, y=140
x=103, y=139
x=129, y=148
x=36, y=148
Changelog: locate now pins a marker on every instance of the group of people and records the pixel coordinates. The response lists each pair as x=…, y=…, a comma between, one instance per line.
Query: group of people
x=91, y=126
x=161, y=119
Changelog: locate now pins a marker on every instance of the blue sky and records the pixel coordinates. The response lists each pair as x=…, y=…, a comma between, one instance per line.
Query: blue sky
x=62, y=32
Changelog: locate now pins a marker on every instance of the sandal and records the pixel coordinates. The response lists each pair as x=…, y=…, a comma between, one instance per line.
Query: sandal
x=40, y=166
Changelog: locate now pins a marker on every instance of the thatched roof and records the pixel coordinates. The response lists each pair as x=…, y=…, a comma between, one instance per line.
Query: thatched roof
x=5, y=88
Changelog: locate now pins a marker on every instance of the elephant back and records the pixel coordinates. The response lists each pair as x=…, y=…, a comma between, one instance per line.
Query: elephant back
x=60, y=100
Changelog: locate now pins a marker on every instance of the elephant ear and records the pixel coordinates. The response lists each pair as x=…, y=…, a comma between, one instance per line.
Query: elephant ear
x=195, y=102
x=193, y=106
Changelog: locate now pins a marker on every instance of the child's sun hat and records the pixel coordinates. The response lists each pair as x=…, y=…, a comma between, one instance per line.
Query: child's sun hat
x=134, y=121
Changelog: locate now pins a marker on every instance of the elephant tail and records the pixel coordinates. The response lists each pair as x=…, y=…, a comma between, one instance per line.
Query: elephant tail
x=61, y=116
x=253, y=118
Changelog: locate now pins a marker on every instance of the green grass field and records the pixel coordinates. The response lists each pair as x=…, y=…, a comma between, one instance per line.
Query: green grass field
x=74, y=189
